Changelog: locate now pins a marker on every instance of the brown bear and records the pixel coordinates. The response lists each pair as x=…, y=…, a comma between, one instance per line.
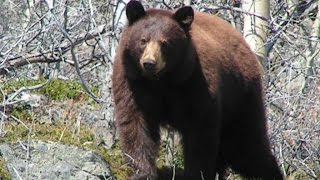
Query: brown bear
x=194, y=72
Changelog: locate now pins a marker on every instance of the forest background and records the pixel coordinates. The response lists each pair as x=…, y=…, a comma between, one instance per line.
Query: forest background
x=56, y=60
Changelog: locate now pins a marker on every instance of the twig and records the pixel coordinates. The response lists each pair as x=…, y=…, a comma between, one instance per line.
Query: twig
x=13, y=117
x=76, y=62
x=165, y=4
x=17, y=173
x=62, y=133
x=23, y=89
x=214, y=7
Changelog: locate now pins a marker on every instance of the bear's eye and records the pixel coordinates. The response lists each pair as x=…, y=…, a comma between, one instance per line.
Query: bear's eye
x=143, y=41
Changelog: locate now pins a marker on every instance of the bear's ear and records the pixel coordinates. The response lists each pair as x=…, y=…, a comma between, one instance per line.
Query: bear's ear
x=134, y=11
x=184, y=16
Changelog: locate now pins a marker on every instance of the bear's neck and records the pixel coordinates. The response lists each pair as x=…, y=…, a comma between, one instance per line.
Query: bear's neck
x=185, y=69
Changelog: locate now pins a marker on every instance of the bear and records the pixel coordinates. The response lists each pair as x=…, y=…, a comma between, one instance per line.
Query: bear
x=193, y=72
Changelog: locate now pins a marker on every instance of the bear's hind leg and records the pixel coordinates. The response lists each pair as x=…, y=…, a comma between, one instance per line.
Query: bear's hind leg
x=256, y=164
x=247, y=148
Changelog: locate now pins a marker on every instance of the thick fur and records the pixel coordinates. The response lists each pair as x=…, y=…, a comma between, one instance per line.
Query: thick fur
x=209, y=90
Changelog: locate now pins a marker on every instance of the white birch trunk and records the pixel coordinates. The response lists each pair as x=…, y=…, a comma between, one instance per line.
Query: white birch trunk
x=255, y=29
x=119, y=21
x=313, y=50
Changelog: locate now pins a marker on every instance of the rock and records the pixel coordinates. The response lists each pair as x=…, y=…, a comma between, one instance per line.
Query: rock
x=105, y=133
x=33, y=100
x=46, y=160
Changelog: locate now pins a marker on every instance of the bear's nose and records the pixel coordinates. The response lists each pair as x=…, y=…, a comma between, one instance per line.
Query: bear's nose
x=149, y=65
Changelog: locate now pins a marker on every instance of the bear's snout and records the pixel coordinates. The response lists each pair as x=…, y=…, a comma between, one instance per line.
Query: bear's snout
x=149, y=65
x=151, y=60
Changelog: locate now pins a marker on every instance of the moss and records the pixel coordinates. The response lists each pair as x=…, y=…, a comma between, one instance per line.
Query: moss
x=177, y=156
x=14, y=132
x=4, y=172
x=16, y=84
x=55, y=89
x=298, y=175
x=116, y=160
x=61, y=90
x=20, y=113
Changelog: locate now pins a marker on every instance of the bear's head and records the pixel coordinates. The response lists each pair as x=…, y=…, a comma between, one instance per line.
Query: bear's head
x=156, y=42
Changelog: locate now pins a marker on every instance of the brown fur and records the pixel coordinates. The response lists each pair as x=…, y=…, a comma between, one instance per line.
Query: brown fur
x=207, y=86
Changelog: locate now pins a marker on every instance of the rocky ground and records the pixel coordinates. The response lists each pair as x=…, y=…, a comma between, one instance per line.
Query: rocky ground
x=49, y=160
x=49, y=136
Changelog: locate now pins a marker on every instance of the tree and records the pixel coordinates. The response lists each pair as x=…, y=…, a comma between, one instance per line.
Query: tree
x=313, y=49
x=255, y=28
x=41, y=37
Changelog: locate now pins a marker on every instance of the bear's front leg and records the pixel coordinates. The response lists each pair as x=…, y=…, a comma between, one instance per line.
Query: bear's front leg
x=201, y=140
x=139, y=141
x=200, y=154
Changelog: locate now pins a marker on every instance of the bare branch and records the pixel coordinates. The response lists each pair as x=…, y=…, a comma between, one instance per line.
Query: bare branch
x=76, y=63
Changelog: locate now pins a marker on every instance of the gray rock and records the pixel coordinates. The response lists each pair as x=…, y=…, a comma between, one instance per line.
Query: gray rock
x=46, y=160
x=33, y=100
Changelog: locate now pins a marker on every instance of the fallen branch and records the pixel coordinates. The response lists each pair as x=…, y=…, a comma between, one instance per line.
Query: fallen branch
x=10, y=99
x=50, y=56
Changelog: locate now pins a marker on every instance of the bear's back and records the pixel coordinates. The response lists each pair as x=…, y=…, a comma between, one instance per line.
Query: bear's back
x=218, y=44
x=214, y=28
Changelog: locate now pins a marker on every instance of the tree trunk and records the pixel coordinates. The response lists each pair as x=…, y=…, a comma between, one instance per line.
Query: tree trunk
x=255, y=28
x=187, y=2
x=313, y=50
x=119, y=21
